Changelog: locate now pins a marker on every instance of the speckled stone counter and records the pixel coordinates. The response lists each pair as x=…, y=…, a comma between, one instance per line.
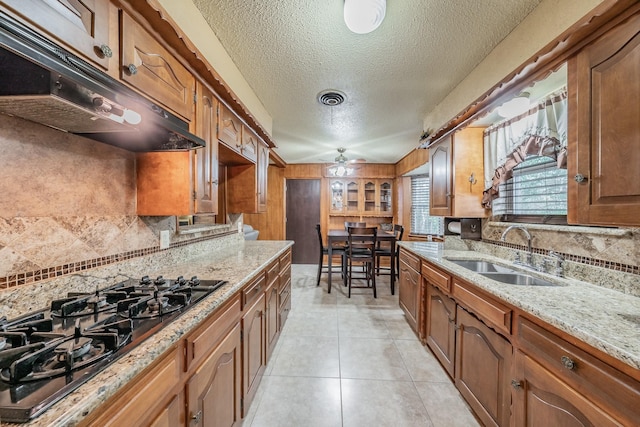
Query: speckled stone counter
x=606, y=319
x=236, y=262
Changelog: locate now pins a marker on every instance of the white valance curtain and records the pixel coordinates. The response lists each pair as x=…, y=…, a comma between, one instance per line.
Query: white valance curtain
x=541, y=131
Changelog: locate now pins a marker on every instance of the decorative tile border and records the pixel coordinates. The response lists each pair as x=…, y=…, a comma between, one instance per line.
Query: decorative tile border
x=616, y=266
x=75, y=267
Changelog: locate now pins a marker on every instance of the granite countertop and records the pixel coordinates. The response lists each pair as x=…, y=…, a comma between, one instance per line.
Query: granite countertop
x=606, y=319
x=235, y=263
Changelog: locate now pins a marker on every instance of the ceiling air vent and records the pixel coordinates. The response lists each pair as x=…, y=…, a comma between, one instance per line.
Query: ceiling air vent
x=331, y=97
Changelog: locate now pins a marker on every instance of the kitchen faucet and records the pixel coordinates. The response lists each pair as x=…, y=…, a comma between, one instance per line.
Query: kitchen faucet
x=559, y=260
x=527, y=235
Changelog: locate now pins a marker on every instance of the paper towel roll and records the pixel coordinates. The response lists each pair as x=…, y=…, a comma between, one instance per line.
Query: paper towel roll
x=454, y=227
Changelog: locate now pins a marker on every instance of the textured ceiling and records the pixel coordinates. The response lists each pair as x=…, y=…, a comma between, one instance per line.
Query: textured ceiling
x=290, y=50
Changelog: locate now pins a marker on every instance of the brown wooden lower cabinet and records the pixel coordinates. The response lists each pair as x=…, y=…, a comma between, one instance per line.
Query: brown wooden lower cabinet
x=441, y=327
x=542, y=399
x=150, y=399
x=483, y=369
x=514, y=369
x=214, y=391
x=253, y=349
x=210, y=377
x=409, y=284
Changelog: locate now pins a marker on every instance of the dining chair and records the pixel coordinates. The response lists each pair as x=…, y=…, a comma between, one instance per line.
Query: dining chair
x=383, y=249
x=324, y=251
x=361, y=250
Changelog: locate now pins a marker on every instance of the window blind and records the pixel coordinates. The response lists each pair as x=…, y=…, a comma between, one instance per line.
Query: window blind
x=538, y=187
x=421, y=221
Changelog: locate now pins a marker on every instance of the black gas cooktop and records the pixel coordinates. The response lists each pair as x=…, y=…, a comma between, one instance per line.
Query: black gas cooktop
x=47, y=354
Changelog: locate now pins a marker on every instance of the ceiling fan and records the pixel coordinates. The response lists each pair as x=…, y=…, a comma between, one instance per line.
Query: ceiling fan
x=342, y=167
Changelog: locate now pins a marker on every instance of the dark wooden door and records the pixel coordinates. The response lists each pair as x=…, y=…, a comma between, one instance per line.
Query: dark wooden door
x=303, y=213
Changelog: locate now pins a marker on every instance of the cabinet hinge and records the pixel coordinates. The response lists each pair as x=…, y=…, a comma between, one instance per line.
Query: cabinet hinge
x=194, y=194
x=242, y=405
x=241, y=335
x=195, y=97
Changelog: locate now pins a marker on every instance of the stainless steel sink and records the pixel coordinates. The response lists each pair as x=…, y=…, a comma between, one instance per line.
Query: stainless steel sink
x=481, y=266
x=517, y=279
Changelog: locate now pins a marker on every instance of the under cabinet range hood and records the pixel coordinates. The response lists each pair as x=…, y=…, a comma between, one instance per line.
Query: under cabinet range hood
x=41, y=82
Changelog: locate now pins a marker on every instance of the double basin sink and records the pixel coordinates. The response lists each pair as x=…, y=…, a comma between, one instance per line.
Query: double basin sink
x=501, y=273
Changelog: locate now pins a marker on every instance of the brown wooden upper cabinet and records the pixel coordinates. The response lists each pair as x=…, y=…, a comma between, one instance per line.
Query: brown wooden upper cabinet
x=456, y=164
x=249, y=147
x=229, y=128
x=206, y=169
x=80, y=26
x=149, y=67
x=604, y=129
x=361, y=197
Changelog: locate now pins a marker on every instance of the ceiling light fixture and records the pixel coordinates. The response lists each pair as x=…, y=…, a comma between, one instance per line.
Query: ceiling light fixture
x=364, y=16
x=515, y=107
x=340, y=168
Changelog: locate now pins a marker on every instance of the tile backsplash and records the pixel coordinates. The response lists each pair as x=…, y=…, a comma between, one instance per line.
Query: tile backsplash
x=69, y=204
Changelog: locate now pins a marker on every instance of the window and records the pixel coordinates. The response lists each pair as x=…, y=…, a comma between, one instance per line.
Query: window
x=538, y=188
x=421, y=221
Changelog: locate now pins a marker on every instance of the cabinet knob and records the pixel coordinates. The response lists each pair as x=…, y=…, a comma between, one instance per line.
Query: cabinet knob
x=197, y=417
x=580, y=178
x=131, y=69
x=516, y=384
x=568, y=363
x=106, y=51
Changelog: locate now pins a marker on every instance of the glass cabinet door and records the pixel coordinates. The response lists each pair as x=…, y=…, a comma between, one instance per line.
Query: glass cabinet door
x=353, y=196
x=337, y=196
x=385, y=201
x=369, y=196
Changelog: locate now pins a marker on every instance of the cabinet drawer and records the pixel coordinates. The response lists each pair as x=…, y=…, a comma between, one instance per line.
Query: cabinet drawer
x=253, y=290
x=604, y=385
x=272, y=273
x=410, y=259
x=285, y=260
x=437, y=277
x=206, y=337
x=493, y=313
x=284, y=311
x=285, y=276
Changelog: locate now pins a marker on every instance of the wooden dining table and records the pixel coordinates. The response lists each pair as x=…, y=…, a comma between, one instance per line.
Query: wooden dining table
x=337, y=236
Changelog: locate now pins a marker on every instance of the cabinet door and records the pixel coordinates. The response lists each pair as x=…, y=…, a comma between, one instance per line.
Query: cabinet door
x=409, y=288
x=385, y=199
x=542, y=399
x=369, y=195
x=441, y=175
x=229, y=129
x=253, y=349
x=338, y=193
x=206, y=170
x=353, y=202
x=81, y=26
x=172, y=415
x=273, y=329
x=468, y=173
x=482, y=371
x=214, y=390
x=441, y=327
x=604, y=126
x=263, y=172
x=149, y=67
x=250, y=143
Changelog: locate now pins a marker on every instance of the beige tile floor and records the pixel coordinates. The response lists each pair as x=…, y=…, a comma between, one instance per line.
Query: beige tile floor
x=352, y=362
